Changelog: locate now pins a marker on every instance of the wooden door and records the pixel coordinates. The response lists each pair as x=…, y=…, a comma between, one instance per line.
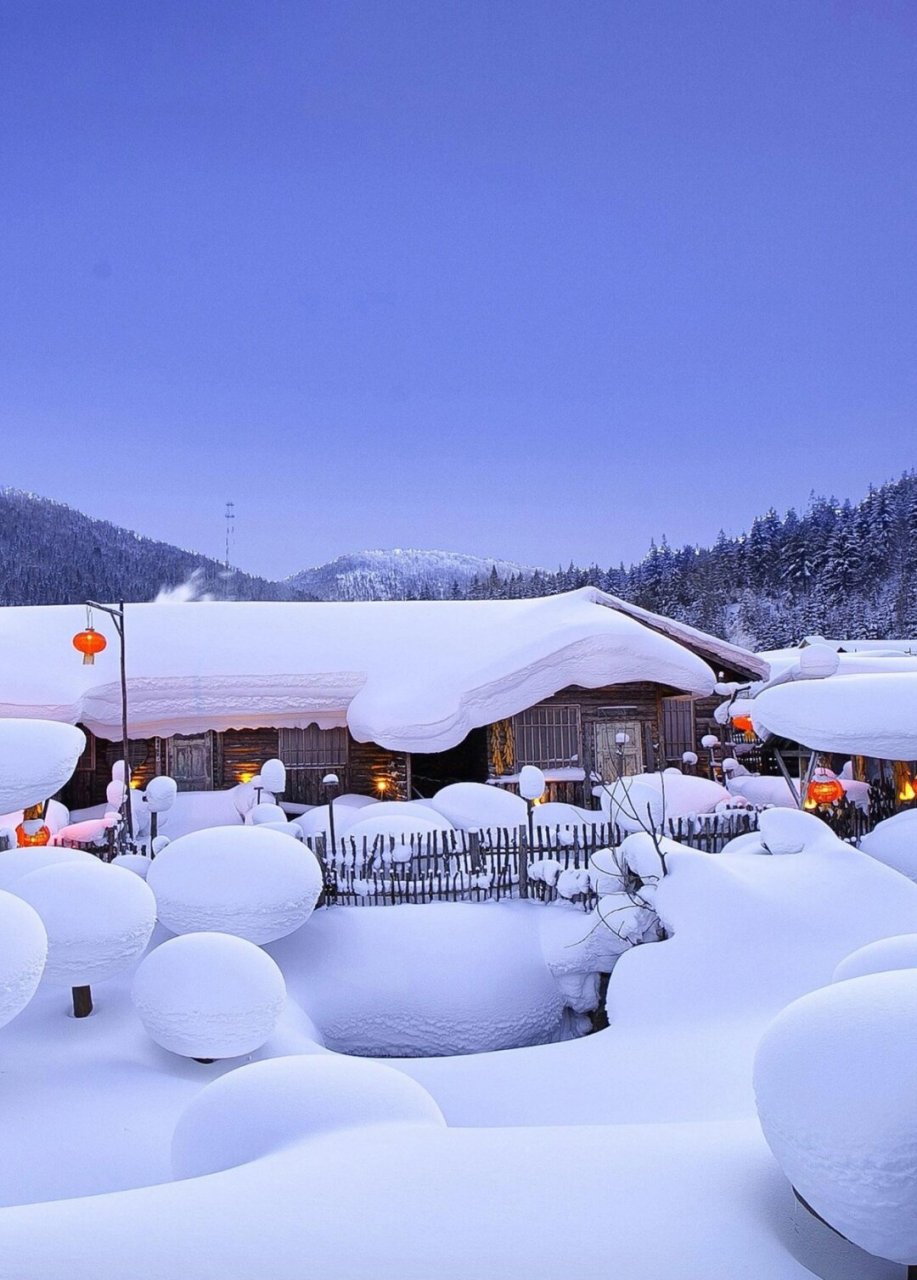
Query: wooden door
x=191, y=761
x=613, y=759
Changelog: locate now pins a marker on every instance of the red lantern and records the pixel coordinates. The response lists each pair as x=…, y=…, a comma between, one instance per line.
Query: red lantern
x=743, y=724
x=31, y=833
x=824, y=789
x=89, y=642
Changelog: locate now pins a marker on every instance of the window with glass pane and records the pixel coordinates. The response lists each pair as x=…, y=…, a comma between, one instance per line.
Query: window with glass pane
x=548, y=736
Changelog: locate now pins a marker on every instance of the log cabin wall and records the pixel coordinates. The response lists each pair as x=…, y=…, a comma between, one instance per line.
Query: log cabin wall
x=238, y=755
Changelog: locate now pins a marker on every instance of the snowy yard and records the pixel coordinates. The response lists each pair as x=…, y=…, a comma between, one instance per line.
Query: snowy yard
x=632, y=1152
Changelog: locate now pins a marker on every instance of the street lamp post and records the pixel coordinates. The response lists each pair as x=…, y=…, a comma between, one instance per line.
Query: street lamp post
x=330, y=783
x=117, y=615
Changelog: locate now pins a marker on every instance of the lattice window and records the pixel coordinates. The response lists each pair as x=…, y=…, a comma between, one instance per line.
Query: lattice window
x=548, y=736
x=314, y=748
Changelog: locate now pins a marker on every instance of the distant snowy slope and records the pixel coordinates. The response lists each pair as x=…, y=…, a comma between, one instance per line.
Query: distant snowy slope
x=399, y=574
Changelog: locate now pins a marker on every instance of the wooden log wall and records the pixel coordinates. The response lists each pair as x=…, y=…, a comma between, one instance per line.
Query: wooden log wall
x=240, y=753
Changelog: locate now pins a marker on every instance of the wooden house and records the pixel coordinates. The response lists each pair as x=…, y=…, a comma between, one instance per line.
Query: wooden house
x=396, y=698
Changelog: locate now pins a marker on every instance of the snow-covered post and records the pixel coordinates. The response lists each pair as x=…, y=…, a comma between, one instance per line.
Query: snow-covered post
x=117, y=616
x=689, y=760
x=159, y=796
x=621, y=741
x=531, y=788
x=330, y=783
x=710, y=742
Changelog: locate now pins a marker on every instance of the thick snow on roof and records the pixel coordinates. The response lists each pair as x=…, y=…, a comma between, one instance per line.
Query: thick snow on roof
x=741, y=660
x=870, y=715
x=412, y=676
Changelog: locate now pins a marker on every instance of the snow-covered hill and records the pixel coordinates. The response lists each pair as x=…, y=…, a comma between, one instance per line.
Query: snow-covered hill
x=399, y=574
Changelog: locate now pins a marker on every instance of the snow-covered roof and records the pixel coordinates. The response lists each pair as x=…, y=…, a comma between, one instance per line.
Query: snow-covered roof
x=871, y=715
x=410, y=675
x=712, y=648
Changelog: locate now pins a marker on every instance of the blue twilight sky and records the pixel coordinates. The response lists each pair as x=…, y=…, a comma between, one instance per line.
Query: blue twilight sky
x=515, y=277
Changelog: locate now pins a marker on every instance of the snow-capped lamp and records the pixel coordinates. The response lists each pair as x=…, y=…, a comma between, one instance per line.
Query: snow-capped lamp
x=89, y=642
x=824, y=789
x=32, y=830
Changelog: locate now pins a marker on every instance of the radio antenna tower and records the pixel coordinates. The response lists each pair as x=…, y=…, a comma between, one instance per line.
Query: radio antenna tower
x=230, y=532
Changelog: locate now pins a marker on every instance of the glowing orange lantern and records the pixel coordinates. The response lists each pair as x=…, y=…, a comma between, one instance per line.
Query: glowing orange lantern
x=32, y=833
x=824, y=789
x=89, y=642
x=743, y=724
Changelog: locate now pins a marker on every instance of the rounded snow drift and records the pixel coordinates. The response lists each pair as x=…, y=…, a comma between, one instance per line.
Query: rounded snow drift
x=835, y=1081
x=160, y=793
x=894, y=842
x=23, y=948
x=209, y=995
x=253, y=882
x=16, y=863
x=884, y=956
x=98, y=919
x=263, y=813
x=263, y=1107
x=36, y=758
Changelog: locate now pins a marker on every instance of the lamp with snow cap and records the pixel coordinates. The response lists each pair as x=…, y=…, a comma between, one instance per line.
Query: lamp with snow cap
x=531, y=787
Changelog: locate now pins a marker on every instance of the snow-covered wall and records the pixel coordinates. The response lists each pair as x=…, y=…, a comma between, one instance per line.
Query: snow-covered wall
x=411, y=676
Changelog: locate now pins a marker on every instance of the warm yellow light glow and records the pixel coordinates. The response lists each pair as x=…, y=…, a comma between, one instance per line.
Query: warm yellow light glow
x=246, y=776
x=135, y=783
x=907, y=792
x=381, y=784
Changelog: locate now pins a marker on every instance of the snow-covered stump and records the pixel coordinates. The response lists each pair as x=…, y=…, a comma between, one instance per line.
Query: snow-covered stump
x=98, y=920
x=209, y=995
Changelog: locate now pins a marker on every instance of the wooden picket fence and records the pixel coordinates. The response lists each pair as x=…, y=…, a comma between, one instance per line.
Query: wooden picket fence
x=477, y=866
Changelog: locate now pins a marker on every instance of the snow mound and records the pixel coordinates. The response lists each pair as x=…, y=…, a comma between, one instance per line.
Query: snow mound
x=263, y=813
x=894, y=842
x=393, y=827
x=315, y=822
x=16, y=863
x=632, y=804
x=471, y=806
x=265, y=1106
x=401, y=982
x=135, y=862
x=879, y=957
x=209, y=995
x=36, y=758
x=554, y=813
x=255, y=883
x=23, y=949
x=98, y=919
x=835, y=1081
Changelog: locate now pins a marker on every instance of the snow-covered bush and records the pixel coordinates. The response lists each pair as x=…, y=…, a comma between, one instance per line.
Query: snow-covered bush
x=160, y=793
x=471, y=806
x=264, y=1106
x=23, y=949
x=209, y=995
x=835, y=1080
x=36, y=758
x=98, y=919
x=250, y=881
x=263, y=813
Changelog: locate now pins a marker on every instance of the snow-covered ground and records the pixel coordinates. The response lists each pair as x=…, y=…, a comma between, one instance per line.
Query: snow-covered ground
x=632, y=1152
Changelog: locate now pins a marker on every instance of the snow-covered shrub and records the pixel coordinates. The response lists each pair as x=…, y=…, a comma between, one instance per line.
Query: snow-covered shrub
x=98, y=919
x=899, y=952
x=250, y=881
x=545, y=871
x=573, y=883
x=835, y=1080
x=606, y=871
x=209, y=995
x=23, y=949
x=471, y=806
x=36, y=758
x=264, y=1106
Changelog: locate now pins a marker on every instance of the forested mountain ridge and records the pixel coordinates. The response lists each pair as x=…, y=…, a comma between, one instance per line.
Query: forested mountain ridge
x=839, y=569
x=53, y=554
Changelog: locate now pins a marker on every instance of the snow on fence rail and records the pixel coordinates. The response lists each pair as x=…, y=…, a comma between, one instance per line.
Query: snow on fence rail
x=452, y=866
